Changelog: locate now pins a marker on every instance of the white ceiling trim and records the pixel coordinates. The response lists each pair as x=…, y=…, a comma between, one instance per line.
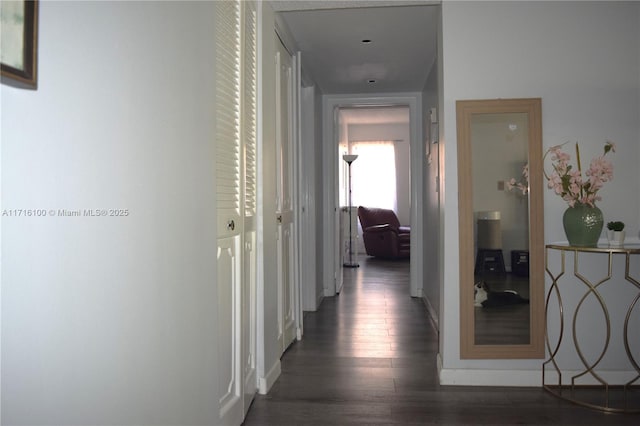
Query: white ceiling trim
x=287, y=5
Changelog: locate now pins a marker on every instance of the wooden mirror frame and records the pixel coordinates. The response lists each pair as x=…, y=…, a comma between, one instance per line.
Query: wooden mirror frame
x=465, y=110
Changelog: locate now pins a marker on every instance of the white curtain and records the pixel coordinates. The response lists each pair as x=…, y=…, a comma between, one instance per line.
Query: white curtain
x=373, y=175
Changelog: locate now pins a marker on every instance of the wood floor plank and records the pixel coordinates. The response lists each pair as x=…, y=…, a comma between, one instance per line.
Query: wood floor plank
x=368, y=357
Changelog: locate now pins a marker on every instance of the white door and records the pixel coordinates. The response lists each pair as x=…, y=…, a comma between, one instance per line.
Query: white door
x=284, y=202
x=249, y=373
x=229, y=276
x=236, y=207
x=250, y=182
x=229, y=328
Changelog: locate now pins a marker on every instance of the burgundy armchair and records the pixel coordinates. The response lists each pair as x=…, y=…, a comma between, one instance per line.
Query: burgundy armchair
x=382, y=234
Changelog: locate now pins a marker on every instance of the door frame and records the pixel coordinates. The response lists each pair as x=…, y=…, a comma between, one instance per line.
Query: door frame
x=331, y=267
x=286, y=39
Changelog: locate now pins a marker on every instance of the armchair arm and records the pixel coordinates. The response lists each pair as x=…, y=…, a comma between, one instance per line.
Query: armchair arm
x=375, y=229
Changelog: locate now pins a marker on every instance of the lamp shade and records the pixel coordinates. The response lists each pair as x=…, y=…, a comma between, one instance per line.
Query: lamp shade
x=349, y=158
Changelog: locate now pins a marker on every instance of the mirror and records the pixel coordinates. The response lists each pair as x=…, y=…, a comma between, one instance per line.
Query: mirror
x=501, y=228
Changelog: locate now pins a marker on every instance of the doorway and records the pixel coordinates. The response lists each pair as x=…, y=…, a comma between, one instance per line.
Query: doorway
x=380, y=175
x=332, y=257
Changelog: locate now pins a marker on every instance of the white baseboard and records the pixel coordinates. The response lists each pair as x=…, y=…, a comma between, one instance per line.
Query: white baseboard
x=319, y=298
x=485, y=377
x=432, y=313
x=328, y=293
x=469, y=377
x=265, y=383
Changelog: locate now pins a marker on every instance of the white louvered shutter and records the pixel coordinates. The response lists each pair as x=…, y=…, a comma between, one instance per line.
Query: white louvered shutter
x=228, y=155
x=249, y=107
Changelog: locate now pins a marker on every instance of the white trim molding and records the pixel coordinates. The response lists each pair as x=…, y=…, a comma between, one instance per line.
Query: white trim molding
x=488, y=377
x=265, y=383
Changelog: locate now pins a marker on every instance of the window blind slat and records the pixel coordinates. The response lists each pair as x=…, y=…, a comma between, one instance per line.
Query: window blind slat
x=250, y=108
x=227, y=36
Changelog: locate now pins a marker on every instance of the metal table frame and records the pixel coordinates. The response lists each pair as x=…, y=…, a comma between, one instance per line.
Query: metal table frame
x=590, y=290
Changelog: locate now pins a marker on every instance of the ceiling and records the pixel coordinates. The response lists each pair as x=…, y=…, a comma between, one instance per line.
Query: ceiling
x=329, y=34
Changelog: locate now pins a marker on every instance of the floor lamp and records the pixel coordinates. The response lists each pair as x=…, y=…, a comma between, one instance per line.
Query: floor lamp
x=350, y=264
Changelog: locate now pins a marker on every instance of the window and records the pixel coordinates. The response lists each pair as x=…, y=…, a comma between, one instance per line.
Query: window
x=373, y=175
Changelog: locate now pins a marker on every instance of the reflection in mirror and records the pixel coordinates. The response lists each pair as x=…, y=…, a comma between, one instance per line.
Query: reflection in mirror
x=499, y=144
x=502, y=281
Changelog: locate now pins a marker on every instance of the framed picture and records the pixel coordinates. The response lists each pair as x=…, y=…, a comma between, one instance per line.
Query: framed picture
x=19, y=50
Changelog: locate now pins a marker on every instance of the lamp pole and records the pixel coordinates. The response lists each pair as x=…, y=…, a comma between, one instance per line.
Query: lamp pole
x=350, y=158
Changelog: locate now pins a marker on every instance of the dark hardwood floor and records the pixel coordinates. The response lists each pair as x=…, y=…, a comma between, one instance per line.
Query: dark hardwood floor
x=368, y=357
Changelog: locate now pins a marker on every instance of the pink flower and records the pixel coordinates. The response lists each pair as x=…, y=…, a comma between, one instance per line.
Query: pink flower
x=523, y=187
x=555, y=183
x=569, y=183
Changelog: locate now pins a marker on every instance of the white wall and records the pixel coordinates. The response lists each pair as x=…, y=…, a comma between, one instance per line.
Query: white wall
x=111, y=320
x=431, y=257
x=583, y=60
x=307, y=200
x=311, y=197
x=319, y=183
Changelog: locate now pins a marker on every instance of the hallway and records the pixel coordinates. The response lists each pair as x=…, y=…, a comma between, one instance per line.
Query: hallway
x=368, y=356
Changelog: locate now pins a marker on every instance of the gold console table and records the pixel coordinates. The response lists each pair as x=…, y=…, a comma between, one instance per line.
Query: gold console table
x=617, y=397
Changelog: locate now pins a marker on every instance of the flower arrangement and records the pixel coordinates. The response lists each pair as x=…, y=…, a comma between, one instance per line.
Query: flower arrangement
x=570, y=184
x=522, y=186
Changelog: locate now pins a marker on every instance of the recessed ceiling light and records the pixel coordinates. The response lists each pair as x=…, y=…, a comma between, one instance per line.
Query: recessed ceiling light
x=366, y=41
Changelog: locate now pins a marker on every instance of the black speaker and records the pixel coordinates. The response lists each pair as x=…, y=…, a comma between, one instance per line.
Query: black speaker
x=520, y=262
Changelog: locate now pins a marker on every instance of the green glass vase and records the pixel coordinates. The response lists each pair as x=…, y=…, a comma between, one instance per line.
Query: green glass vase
x=583, y=225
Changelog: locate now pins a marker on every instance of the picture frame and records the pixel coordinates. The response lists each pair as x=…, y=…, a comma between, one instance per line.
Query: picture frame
x=19, y=53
